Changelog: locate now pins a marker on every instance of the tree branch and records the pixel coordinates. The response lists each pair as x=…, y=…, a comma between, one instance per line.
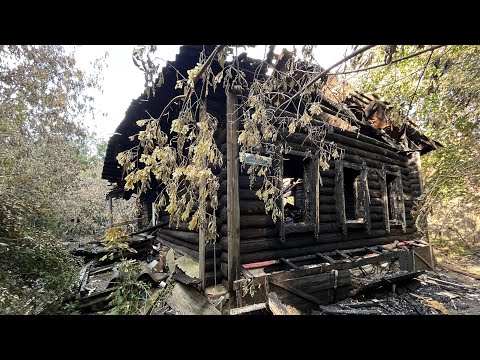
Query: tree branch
x=319, y=76
x=392, y=62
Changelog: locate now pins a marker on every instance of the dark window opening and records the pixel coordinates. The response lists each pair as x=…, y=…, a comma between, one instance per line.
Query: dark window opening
x=394, y=198
x=294, y=189
x=390, y=196
x=352, y=190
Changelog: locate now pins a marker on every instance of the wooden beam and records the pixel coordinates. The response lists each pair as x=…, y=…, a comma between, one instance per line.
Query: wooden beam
x=110, y=212
x=317, y=179
x=326, y=258
x=203, y=219
x=201, y=242
x=249, y=309
x=233, y=204
x=297, y=292
x=289, y=263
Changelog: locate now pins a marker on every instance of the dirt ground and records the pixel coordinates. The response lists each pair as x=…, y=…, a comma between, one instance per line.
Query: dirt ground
x=470, y=303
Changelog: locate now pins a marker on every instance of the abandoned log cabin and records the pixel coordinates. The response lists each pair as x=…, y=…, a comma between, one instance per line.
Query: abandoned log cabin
x=364, y=199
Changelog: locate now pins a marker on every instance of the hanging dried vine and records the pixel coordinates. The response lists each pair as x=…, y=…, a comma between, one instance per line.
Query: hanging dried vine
x=183, y=164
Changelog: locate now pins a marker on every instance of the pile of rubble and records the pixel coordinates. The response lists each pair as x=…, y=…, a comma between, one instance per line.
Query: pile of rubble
x=429, y=294
x=346, y=283
x=172, y=291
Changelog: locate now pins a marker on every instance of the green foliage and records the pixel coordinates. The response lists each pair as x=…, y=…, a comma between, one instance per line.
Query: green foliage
x=131, y=293
x=44, y=166
x=35, y=274
x=439, y=91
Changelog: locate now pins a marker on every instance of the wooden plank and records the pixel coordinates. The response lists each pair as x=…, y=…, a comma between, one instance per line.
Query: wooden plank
x=289, y=263
x=249, y=309
x=188, y=301
x=201, y=242
x=233, y=203
x=297, y=292
x=372, y=250
x=342, y=254
x=326, y=258
x=317, y=282
x=317, y=179
x=276, y=306
x=110, y=212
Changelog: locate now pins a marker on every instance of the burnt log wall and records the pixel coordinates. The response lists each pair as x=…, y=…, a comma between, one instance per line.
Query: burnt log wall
x=259, y=235
x=184, y=240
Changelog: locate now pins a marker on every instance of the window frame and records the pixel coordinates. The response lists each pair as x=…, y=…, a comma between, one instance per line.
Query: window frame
x=342, y=221
x=386, y=201
x=311, y=185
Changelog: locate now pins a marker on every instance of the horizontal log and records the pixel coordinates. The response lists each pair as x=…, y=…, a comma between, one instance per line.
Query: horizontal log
x=252, y=207
x=327, y=200
x=328, y=182
x=209, y=262
x=210, y=278
x=365, y=142
x=376, y=209
x=322, y=247
x=355, y=148
x=327, y=218
x=249, y=246
x=351, y=134
x=272, y=243
x=374, y=185
x=183, y=226
x=224, y=269
x=373, y=175
x=296, y=228
x=415, y=187
x=252, y=233
x=256, y=221
x=188, y=236
x=373, y=156
x=374, y=164
x=328, y=173
x=376, y=201
x=326, y=191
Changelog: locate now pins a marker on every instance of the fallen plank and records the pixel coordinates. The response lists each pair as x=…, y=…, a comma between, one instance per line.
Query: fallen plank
x=328, y=311
x=180, y=276
x=188, y=301
x=278, y=308
x=147, y=309
x=297, y=292
x=259, y=264
x=249, y=309
x=448, y=282
x=476, y=277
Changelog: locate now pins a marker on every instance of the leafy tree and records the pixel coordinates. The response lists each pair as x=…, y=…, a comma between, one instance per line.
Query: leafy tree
x=44, y=163
x=439, y=90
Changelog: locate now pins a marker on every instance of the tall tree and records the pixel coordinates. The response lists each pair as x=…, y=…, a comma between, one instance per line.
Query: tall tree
x=438, y=88
x=43, y=98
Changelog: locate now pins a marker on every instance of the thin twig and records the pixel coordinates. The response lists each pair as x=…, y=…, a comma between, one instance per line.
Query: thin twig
x=392, y=62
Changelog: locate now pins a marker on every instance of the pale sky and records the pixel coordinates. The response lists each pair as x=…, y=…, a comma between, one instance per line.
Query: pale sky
x=123, y=82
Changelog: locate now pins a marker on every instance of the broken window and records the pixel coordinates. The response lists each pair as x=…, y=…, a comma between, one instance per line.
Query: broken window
x=351, y=192
x=294, y=189
x=394, y=207
x=299, y=188
x=354, y=199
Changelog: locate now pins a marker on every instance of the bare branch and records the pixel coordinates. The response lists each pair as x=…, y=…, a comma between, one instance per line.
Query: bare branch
x=392, y=62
